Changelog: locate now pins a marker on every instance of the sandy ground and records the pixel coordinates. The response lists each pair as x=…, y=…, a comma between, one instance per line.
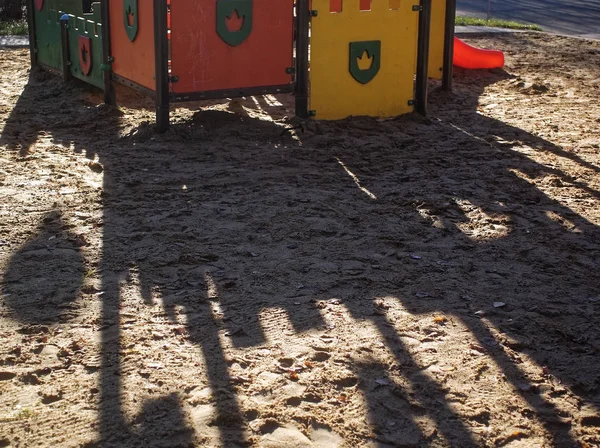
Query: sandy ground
x=248, y=279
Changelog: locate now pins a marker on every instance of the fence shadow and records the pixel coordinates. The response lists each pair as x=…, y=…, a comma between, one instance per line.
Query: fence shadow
x=226, y=216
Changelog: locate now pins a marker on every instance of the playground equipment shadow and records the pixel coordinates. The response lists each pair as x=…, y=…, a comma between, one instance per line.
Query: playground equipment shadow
x=341, y=207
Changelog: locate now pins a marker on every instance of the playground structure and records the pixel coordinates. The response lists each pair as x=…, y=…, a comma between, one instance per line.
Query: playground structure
x=338, y=57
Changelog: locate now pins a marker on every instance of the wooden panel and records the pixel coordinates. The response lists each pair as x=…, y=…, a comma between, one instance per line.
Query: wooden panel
x=47, y=35
x=203, y=61
x=436, y=38
x=49, y=42
x=133, y=60
x=88, y=26
x=352, y=38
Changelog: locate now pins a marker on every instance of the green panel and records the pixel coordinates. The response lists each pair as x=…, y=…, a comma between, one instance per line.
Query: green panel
x=47, y=26
x=88, y=25
x=130, y=18
x=231, y=10
x=47, y=36
x=371, y=50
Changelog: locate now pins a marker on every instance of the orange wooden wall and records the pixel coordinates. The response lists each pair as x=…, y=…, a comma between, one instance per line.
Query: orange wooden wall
x=204, y=62
x=133, y=60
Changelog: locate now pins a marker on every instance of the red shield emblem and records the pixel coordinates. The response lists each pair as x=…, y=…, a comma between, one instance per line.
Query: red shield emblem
x=85, y=54
x=39, y=4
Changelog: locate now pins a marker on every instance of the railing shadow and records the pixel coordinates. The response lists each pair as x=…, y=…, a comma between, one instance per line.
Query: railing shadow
x=226, y=216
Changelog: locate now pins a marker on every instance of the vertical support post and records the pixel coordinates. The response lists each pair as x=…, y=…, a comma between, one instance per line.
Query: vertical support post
x=449, y=45
x=32, y=36
x=109, y=91
x=161, y=64
x=302, y=29
x=64, y=39
x=423, y=57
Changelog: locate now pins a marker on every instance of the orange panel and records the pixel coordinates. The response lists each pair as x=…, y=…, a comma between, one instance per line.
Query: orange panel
x=338, y=5
x=133, y=60
x=203, y=61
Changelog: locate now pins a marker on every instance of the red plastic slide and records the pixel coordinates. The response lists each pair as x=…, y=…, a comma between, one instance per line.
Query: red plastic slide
x=467, y=56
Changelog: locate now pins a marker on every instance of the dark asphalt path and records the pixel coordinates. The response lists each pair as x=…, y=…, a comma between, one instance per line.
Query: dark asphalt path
x=572, y=17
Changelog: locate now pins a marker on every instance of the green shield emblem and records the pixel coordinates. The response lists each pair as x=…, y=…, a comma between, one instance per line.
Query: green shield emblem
x=365, y=60
x=130, y=15
x=234, y=20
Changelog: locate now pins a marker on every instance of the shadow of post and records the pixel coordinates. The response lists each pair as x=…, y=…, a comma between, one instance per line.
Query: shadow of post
x=72, y=116
x=236, y=217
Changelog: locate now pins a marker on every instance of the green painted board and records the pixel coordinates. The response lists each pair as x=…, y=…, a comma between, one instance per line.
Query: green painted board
x=47, y=36
x=88, y=26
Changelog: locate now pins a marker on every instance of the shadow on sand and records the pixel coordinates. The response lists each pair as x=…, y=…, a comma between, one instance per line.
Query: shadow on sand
x=339, y=209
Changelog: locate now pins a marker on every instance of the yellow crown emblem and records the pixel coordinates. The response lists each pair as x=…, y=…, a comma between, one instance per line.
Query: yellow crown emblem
x=364, y=61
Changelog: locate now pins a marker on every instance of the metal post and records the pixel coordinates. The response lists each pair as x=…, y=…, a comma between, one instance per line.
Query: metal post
x=302, y=29
x=32, y=36
x=64, y=37
x=161, y=64
x=109, y=91
x=423, y=57
x=449, y=45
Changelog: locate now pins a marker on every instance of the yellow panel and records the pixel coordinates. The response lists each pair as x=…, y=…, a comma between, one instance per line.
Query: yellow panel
x=436, y=39
x=334, y=93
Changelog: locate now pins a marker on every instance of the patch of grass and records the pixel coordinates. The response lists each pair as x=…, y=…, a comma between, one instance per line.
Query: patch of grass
x=14, y=28
x=497, y=23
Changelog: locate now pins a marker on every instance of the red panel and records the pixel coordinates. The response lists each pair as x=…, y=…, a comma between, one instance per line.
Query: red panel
x=85, y=54
x=203, y=61
x=133, y=60
x=338, y=5
x=365, y=5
